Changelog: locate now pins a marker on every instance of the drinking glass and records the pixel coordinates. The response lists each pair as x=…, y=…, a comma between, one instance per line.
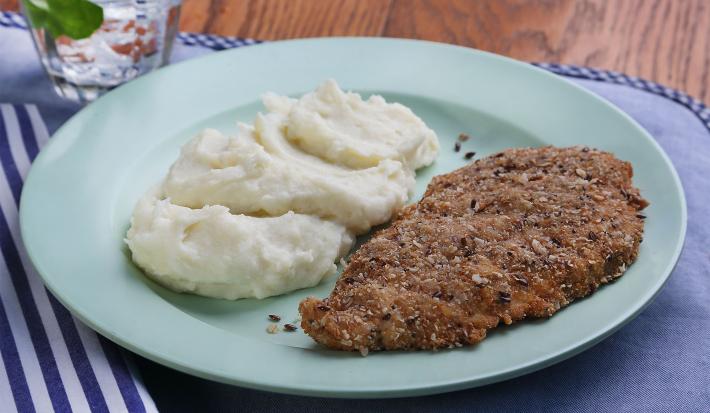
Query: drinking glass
x=135, y=37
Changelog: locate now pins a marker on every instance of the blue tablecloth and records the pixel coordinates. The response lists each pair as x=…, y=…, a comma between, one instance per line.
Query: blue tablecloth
x=659, y=362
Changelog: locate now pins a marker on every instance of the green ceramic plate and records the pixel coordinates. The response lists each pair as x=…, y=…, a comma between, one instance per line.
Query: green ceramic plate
x=79, y=195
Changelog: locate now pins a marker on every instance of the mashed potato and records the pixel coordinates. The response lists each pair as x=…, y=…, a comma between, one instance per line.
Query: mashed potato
x=209, y=251
x=343, y=128
x=275, y=178
x=271, y=209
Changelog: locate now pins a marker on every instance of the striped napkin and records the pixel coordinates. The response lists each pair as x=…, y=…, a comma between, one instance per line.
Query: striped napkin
x=53, y=361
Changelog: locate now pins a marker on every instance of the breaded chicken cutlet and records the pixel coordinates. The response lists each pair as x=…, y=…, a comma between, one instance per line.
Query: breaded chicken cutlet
x=518, y=234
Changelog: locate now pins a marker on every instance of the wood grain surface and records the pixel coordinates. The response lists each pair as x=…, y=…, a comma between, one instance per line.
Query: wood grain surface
x=663, y=40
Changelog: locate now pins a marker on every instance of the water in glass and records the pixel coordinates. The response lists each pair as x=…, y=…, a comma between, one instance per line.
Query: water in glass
x=135, y=37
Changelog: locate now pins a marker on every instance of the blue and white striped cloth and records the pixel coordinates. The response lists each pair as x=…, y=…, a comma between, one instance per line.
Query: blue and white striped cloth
x=53, y=362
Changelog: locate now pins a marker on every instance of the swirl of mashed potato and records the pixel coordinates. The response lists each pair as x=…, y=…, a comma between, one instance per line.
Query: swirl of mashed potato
x=248, y=178
x=271, y=209
x=211, y=252
x=342, y=128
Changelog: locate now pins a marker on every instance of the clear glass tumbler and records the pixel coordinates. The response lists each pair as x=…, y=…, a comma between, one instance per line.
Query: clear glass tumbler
x=134, y=38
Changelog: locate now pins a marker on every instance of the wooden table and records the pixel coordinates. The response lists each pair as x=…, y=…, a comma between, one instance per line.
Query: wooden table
x=667, y=41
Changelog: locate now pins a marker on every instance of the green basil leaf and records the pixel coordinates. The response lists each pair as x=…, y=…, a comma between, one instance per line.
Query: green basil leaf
x=36, y=14
x=77, y=19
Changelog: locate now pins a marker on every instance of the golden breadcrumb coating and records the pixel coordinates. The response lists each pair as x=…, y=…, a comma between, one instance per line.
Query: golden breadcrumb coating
x=518, y=234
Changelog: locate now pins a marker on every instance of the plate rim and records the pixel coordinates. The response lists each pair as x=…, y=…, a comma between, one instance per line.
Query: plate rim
x=403, y=389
